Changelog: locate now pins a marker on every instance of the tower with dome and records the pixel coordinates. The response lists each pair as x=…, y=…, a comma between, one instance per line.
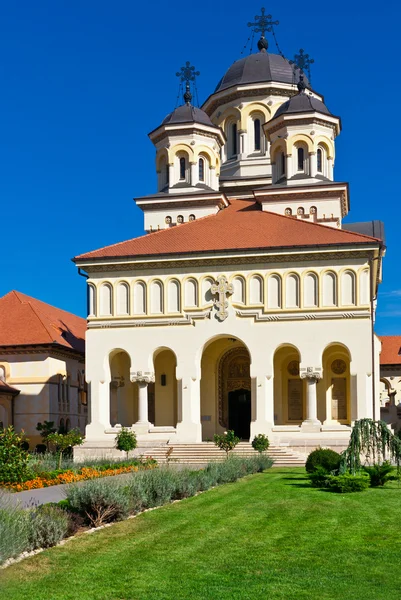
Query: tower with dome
x=248, y=304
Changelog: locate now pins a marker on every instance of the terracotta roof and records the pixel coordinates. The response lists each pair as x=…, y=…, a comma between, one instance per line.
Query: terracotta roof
x=27, y=321
x=391, y=350
x=240, y=226
x=8, y=389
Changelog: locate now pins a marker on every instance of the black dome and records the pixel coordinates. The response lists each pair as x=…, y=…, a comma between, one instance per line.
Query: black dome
x=260, y=67
x=188, y=114
x=302, y=103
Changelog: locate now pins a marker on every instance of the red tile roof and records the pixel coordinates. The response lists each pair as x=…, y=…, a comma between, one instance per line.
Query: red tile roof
x=241, y=226
x=391, y=350
x=26, y=321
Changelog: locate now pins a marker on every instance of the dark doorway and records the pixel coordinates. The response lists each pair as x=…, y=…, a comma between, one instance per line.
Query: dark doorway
x=239, y=413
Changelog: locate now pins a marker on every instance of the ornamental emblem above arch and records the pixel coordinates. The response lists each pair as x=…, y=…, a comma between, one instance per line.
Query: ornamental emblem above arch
x=222, y=288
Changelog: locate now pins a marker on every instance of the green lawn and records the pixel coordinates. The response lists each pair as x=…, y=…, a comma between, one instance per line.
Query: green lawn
x=268, y=536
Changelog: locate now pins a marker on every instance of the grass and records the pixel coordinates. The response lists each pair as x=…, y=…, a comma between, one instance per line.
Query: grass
x=268, y=536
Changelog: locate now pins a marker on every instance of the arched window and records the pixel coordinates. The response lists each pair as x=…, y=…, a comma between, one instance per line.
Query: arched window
x=207, y=296
x=174, y=296
x=201, y=169
x=282, y=164
x=167, y=175
x=183, y=168
x=156, y=297
x=292, y=291
x=256, y=290
x=301, y=211
x=364, y=287
x=274, y=291
x=348, y=288
x=329, y=289
x=140, y=298
x=310, y=290
x=288, y=212
x=319, y=158
x=256, y=128
x=301, y=159
x=106, y=299
x=122, y=299
x=91, y=300
x=239, y=290
x=191, y=292
x=232, y=140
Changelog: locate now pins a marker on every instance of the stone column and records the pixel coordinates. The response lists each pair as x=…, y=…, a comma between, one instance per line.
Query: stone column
x=288, y=166
x=313, y=164
x=264, y=417
x=311, y=423
x=189, y=427
x=171, y=175
x=194, y=178
x=330, y=173
x=142, y=379
x=98, y=409
x=241, y=153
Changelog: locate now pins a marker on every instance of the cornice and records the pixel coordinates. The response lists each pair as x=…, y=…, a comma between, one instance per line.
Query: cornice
x=45, y=349
x=259, y=316
x=268, y=90
x=226, y=261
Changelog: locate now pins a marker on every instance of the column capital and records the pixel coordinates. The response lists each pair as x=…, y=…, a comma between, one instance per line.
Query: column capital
x=310, y=373
x=143, y=377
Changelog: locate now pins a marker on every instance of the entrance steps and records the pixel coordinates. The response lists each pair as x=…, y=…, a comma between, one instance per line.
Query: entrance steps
x=205, y=452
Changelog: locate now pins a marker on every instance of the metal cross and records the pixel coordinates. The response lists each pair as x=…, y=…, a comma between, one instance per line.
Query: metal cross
x=222, y=288
x=263, y=23
x=187, y=72
x=303, y=62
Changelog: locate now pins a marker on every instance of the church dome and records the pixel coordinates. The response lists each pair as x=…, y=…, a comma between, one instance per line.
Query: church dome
x=260, y=67
x=188, y=114
x=302, y=103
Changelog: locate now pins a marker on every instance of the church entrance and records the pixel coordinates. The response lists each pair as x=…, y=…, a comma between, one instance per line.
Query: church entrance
x=239, y=413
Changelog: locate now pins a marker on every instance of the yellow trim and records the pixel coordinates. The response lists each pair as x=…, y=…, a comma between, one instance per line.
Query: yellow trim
x=143, y=283
x=302, y=288
x=327, y=144
x=207, y=152
x=181, y=148
x=167, y=282
x=300, y=137
x=286, y=276
x=257, y=108
x=184, y=281
x=340, y=284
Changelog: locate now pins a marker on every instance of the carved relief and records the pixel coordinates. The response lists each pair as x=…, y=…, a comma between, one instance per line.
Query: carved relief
x=222, y=288
x=338, y=366
x=234, y=374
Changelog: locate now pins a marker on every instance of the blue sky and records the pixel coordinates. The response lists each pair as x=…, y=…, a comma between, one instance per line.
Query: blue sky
x=83, y=82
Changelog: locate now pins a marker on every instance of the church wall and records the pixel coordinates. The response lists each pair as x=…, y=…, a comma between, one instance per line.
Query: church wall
x=40, y=379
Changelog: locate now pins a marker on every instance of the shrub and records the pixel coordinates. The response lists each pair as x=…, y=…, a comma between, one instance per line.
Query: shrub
x=260, y=442
x=323, y=457
x=379, y=474
x=14, y=529
x=45, y=429
x=13, y=457
x=99, y=501
x=126, y=440
x=226, y=441
x=318, y=477
x=48, y=525
x=186, y=484
x=347, y=482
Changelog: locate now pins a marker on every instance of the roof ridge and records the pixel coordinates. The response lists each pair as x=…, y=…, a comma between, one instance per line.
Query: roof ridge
x=153, y=233
x=352, y=233
x=37, y=313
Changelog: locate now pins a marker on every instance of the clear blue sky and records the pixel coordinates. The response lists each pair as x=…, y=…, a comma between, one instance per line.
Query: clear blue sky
x=83, y=82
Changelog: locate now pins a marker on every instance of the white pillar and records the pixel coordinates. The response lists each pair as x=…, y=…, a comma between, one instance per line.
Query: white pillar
x=189, y=426
x=99, y=409
x=313, y=164
x=171, y=175
x=288, y=166
x=263, y=420
x=143, y=403
x=241, y=144
x=311, y=423
x=194, y=178
x=330, y=170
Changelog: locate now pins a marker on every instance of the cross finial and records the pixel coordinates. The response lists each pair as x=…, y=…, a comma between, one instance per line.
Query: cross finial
x=262, y=24
x=221, y=288
x=303, y=62
x=187, y=74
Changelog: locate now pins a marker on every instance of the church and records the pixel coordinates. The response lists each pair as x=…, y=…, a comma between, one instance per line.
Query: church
x=248, y=304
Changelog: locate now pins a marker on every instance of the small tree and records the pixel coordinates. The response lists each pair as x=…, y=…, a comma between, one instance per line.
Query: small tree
x=45, y=429
x=226, y=441
x=63, y=441
x=126, y=440
x=14, y=457
x=260, y=442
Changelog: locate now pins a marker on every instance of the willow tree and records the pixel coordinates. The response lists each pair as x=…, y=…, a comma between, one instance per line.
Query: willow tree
x=373, y=442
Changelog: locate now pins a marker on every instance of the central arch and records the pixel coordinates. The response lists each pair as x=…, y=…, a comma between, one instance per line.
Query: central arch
x=226, y=388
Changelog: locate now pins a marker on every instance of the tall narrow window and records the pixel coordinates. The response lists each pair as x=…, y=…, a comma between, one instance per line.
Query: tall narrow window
x=301, y=156
x=167, y=175
x=201, y=169
x=282, y=165
x=182, y=168
x=256, y=125
x=234, y=140
x=319, y=161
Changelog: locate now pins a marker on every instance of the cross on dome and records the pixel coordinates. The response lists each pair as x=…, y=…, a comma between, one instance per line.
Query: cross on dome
x=262, y=24
x=303, y=62
x=187, y=74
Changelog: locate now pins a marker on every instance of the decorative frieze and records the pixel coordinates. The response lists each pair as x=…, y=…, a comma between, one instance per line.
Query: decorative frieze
x=142, y=376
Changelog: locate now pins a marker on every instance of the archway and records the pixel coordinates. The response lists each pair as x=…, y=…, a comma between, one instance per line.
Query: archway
x=289, y=388
x=226, y=401
x=123, y=393
x=162, y=395
x=337, y=384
